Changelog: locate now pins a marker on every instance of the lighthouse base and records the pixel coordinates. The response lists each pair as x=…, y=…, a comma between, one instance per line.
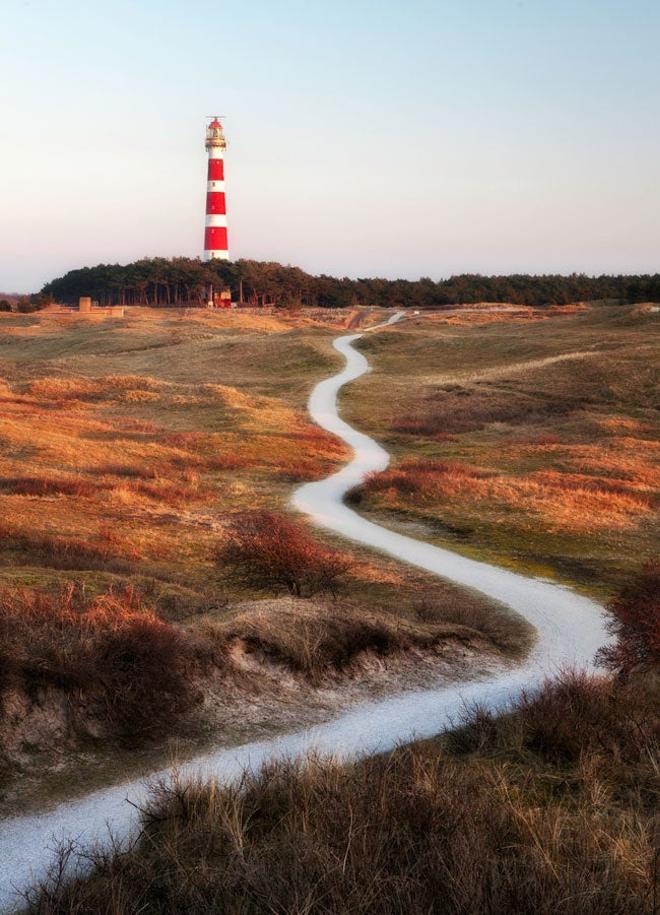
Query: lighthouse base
x=216, y=255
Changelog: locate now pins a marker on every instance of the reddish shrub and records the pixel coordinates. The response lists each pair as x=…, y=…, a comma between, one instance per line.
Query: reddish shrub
x=635, y=624
x=126, y=664
x=47, y=486
x=267, y=551
x=141, y=665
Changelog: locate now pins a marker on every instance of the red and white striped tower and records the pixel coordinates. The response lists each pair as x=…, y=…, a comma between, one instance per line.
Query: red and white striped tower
x=215, y=233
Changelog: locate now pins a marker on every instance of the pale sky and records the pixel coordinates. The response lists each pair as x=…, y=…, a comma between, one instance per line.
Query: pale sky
x=366, y=137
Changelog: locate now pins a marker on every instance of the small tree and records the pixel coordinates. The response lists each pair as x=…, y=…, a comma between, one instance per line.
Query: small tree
x=5, y=305
x=635, y=624
x=267, y=551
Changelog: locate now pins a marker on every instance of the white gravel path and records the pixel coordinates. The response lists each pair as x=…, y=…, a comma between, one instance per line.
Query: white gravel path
x=570, y=629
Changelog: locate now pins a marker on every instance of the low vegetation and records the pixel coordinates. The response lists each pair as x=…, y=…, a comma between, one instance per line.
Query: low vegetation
x=125, y=458
x=328, y=643
x=52, y=551
x=548, y=810
x=79, y=672
x=118, y=666
x=267, y=551
x=530, y=440
x=151, y=588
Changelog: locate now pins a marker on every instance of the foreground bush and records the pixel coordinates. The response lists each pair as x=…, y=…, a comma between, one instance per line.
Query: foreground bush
x=501, y=828
x=266, y=551
x=635, y=624
x=114, y=659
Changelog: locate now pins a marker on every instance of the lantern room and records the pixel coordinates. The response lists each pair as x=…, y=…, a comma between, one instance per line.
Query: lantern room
x=215, y=137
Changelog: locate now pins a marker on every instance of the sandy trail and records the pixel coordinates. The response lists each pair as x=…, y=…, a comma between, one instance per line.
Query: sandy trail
x=570, y=628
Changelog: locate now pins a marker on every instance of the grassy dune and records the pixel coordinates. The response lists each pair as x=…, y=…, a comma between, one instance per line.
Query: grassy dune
x=528, y=437
x=127, y=617
x=128, y=448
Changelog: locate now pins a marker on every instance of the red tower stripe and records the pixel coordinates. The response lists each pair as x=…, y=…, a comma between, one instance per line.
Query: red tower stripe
x=215, y=202
x=215, y=238
x=216, y=170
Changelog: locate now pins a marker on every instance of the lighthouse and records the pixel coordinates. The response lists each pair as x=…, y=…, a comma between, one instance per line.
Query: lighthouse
x=215, y=232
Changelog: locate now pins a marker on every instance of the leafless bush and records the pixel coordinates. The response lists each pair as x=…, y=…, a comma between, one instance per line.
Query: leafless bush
x=635, y=624
x=266, y=551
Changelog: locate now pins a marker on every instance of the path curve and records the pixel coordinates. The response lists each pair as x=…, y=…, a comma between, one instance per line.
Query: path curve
x=570, y=629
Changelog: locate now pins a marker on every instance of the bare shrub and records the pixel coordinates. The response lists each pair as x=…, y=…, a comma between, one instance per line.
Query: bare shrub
x=635, y=624
x=266, y=551
x=112, y=652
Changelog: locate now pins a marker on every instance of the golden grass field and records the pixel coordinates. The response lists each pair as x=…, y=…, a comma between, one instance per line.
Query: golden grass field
x=527, y=437
x=128, y=446
x=156, y=419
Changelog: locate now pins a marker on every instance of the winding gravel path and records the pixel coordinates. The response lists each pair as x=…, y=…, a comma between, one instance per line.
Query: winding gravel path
x=570, y=628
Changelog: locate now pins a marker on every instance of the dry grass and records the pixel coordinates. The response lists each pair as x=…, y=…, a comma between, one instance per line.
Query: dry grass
x=548, y=811
x=48, y=486
x=529, y=443
x=324, y=643
x=102, y=487
x=155, y=427
x=561, y=501
x=121, y=669
x=483, y=313
x=117, y=663
x=126, y=446
x=109, y=552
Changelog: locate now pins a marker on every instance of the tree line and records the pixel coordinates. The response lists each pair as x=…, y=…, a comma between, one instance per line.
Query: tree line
x=186, y=281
